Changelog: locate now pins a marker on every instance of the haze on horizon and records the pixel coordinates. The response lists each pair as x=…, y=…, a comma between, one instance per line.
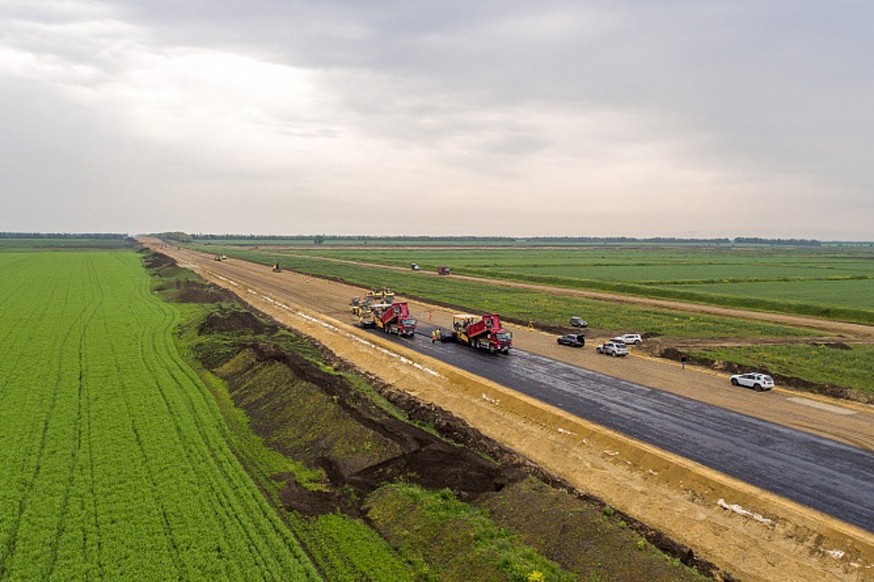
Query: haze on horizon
x=555, y=118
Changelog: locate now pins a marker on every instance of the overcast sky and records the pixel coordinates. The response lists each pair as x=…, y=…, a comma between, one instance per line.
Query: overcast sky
x=677, y=118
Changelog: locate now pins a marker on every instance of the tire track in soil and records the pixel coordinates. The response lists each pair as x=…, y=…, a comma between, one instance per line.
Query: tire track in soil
x=195, y=460
x=25, y=500
x=94, y=306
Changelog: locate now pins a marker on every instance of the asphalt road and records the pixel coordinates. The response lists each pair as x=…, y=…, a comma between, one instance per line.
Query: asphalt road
x=831, y=477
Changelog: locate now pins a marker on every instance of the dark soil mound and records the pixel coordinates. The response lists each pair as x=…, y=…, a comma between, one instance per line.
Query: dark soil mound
x=833, y=345
x=158, y=261
x=195, y=292
x=439, y=465
x=226, y=320
x=295, y=497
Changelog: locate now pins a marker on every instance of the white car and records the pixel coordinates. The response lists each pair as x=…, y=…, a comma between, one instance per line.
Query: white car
x=754, y=380
x=628, y=338
x=612, y=348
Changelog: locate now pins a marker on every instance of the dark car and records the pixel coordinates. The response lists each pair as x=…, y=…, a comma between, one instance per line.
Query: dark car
x=578, y=322
x=574, y=340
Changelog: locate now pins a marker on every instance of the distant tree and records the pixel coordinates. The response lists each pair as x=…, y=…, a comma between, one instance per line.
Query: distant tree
x=319, y=239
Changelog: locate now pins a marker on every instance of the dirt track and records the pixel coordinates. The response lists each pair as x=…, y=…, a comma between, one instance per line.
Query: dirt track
x=677, y=500
x=854, y=332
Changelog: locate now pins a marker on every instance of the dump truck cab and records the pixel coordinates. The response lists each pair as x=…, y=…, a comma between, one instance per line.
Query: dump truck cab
x=394, y=318
x=482, y=331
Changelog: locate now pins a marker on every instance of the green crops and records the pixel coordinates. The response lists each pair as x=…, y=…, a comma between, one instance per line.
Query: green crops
x=114, y=460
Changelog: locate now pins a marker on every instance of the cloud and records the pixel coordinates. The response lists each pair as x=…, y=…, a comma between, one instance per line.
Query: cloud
x=552, y=118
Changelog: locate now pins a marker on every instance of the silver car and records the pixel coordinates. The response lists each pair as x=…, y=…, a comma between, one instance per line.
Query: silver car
x=612, y=348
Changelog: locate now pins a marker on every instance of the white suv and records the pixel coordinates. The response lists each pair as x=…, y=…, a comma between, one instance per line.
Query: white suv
x=628, y=338
x=754, y=380
x=612, y=348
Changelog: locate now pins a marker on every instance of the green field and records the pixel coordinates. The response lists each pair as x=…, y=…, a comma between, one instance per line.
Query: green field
x=114, y=457
x=525, y=306
x=845, y=368
x=66, y=243
x=835, y=283
x=842, y=299
x=856, y=293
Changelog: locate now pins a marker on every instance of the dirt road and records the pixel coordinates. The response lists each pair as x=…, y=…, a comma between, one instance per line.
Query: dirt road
x=852, y=332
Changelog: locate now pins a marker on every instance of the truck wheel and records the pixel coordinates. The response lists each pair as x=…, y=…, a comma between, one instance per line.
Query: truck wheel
x=492, y=349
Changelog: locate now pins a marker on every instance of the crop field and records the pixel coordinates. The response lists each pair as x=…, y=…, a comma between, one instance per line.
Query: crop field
x=856, y=293
x=66, y=243
x=525, y=306
x=115, y=461
x=828, y=282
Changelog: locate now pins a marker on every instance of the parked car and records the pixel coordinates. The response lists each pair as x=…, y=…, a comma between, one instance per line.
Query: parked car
x=415, y=267
x=612, y=348
x=628, y=338
x=574, y=340
x=579, y=322
x=754, y=380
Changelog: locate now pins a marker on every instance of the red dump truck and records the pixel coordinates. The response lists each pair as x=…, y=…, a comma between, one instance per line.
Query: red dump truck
x=394, y=318
x=480, y=331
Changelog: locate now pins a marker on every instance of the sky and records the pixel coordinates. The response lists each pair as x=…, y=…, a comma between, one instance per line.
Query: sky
x=516, y=118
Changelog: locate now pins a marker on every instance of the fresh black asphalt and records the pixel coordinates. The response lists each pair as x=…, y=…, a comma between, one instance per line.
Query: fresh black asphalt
x=829, y=476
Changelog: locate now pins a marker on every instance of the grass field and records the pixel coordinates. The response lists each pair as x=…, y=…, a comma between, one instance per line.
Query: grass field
x=844, y=368
x=835, y=283
x=66, y=243
x=849, y=368
x=857, y=293
x=523, y=305
x=114, y=458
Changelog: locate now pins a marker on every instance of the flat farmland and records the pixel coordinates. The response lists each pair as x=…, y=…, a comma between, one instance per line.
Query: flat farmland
x=830, y=282
x=844, y=297
x=115, y=460
x=854, y=293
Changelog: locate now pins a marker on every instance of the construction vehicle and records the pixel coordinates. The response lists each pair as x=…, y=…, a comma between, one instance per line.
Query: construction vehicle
x=394, y=318
x=361, y=304
x=384, y=295
x=479, y=331
x=277, y=268
x=366, y=312
x=443, y=271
